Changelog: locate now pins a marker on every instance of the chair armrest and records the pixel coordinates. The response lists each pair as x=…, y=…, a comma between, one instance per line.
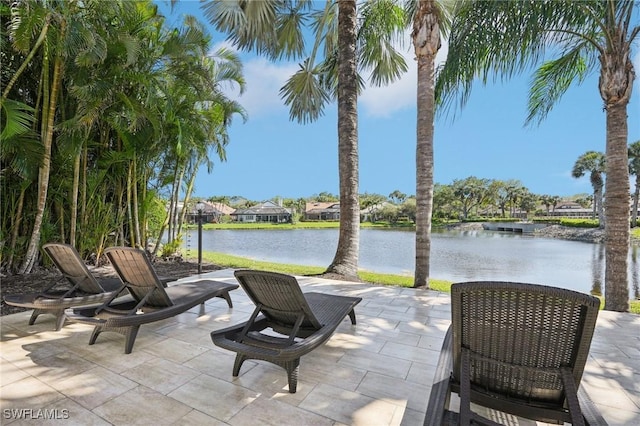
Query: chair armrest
x=441, y=390
x=590, y=413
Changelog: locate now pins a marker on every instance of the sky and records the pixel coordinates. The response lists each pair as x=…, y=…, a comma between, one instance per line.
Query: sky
x=270, y=156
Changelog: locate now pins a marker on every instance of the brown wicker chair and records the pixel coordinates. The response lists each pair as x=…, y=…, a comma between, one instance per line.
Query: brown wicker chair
x=150, y=300
x=85, y=288
x=516, y=348
x=304, y=321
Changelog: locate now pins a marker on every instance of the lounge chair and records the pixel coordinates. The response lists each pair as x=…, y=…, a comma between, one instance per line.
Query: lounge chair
x=150, y=300
x=516, y=348
x=285, y=324
x=85, y=288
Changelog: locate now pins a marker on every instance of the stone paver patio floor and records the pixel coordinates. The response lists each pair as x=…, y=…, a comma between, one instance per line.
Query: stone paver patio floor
x=378, y=372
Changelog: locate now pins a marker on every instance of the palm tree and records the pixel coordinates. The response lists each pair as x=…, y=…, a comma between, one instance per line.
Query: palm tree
x=505, y=38
x=274, y=28
x=634, y=169
x=102, y=142
x=49, y=47
x=593, y=162
x=546, y=201
x=430, y=19
x=397, y=197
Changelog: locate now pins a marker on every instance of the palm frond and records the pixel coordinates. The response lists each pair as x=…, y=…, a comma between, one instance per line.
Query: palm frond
x=304, y=94
x=495, y=40
x=382, y=27
x=17, y=118
x=250, y=25
x=19, y=147
x=289, y=34
x=552, y=80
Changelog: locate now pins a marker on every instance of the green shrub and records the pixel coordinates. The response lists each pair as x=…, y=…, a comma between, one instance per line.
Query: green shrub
x=170, y=249
x=580, y=223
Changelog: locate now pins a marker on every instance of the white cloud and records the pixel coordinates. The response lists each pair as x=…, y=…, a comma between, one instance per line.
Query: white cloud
x=386, y=100
x=263, y=82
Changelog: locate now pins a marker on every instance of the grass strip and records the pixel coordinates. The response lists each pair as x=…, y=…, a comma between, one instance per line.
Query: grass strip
x=230, y=261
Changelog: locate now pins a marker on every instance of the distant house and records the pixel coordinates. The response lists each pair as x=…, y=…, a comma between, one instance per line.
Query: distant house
x=264, y=212
x=570, y=209
x=322, y=211
x=211, y=213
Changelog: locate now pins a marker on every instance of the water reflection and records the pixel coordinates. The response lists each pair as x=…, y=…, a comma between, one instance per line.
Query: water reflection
x=455, y=255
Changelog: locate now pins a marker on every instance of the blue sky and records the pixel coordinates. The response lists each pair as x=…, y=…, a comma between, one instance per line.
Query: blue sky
x=270, y=156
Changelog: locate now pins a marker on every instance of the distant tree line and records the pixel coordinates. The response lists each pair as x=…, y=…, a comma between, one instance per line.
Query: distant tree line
x=478, y=197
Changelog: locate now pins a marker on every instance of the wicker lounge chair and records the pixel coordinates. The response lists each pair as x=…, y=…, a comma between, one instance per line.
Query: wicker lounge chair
x=516, y=348
x=151, y=300
x=304, y=321
x=85, y=288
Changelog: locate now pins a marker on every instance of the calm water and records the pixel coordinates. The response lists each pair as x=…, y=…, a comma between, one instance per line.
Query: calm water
x=455, y=255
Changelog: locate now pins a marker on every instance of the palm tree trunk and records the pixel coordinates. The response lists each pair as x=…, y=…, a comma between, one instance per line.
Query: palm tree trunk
x=601, y=219
x=617, y=210
x=135, y=204
x=16, y=227
x=130, y=183
x=45, y=168
x=29, y=58
x=73, y=220
x=636, y=195
x=345, y=261
x=426, y=42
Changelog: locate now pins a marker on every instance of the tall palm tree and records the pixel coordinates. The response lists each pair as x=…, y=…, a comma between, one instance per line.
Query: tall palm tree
x=49, y=47
x=340, y=47
x=634, y=169
x=507, y=37
x=430, y=19
x=593, y=162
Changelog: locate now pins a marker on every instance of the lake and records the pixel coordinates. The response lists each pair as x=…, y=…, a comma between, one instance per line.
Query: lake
x=455, y=255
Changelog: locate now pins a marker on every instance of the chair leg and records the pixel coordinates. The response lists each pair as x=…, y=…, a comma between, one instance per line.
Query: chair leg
x=130, y=336
x=34, y=315
x=352, y=315
x=60, y=318
x=226, y=297
x=292, y=374
x=96, y=332
x=237, y=364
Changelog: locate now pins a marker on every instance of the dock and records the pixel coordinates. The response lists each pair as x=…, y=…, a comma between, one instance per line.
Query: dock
x=519, y=227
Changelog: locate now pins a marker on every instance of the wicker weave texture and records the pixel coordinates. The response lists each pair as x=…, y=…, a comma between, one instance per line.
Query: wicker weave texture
x=520, y=335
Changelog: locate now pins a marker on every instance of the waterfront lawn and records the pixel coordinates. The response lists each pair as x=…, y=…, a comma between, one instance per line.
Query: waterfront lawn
x=237, y=262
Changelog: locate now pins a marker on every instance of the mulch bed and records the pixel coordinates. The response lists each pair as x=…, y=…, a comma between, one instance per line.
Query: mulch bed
x=40, y=278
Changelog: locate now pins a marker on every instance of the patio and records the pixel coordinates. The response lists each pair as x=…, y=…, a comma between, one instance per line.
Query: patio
x=377, y=372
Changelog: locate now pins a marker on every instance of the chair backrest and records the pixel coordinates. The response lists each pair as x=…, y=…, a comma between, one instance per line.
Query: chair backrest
x=135, y=270
x=68, y=261
x=520, y=334
x=279, y=296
